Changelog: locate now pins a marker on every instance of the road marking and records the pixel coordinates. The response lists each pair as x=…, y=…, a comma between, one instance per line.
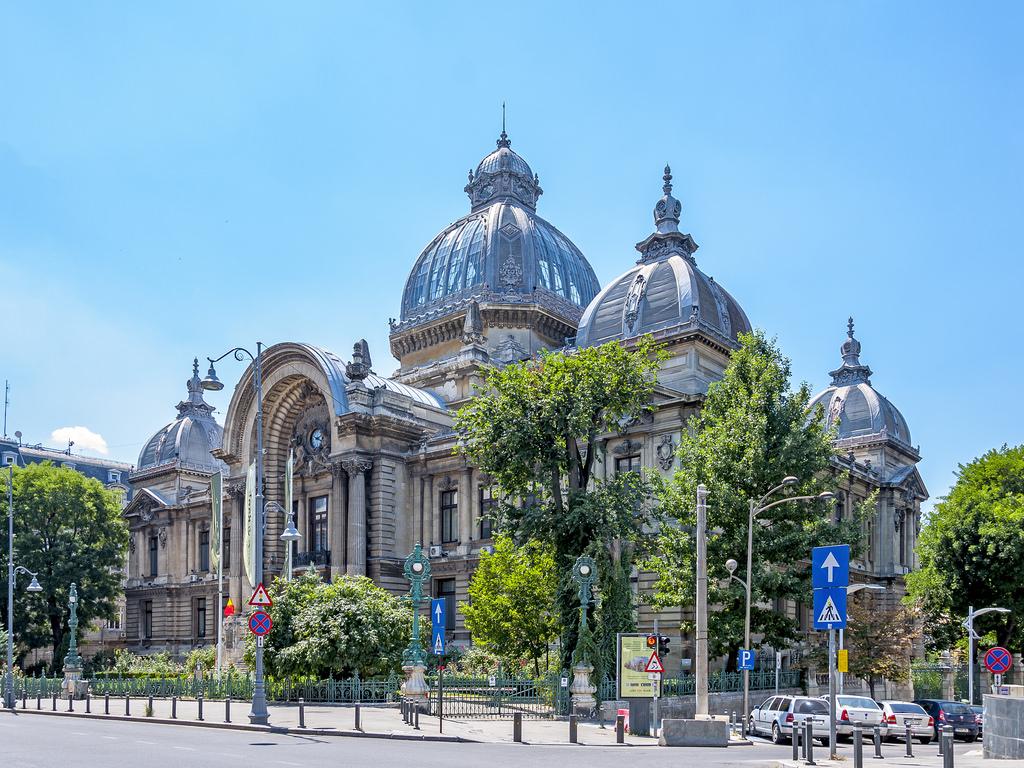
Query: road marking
x=285, y=762
x=140, y=741
x=186, y=749
x=79, y=733
x=112, y=738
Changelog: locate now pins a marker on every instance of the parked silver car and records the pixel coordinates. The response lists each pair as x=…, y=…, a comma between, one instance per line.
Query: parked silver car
x=898, y=713
x=776, y=716
x=854, y=709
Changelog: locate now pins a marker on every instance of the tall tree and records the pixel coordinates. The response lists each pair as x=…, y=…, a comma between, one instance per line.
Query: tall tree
x=879, y=636
x=511, y=612
x=752, y=432
x=535, y=428
x=68, y=528
x=972, y=541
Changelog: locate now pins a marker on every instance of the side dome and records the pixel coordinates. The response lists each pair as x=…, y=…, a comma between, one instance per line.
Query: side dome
x=188, y=440
x=853, y=406
x=664, y=291
x=502, y=252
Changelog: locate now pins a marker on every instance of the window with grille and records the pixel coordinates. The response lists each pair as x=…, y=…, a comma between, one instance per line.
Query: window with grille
x=204, y=550
x=200, y=617
x=488, y=510
x=445, y=589
x=154, y=556
x=147, y=619
x=627, y=464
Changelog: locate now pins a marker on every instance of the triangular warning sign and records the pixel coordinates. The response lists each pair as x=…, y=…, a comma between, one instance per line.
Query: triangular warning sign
x=260, y=597
x=829, y=613
x=438, y=645
x=654, y=663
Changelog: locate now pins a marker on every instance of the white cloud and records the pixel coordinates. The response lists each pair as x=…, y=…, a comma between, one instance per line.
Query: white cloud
x=83, y=437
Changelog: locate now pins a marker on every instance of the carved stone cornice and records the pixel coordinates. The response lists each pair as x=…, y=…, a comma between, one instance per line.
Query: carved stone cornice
x=356, y=464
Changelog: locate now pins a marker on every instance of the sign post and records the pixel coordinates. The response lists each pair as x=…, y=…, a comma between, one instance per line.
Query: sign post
x=830, y=576
x=438, y=607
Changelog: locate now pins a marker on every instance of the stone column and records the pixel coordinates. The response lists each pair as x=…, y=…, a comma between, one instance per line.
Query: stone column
x=467, y=501
x=356, y=468
x=416, y=507
x=337, y=521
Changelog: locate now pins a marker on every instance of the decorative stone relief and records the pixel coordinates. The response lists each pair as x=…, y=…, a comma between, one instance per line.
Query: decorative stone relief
x=131, y=543
x=447, y=484
x=162, y=536
x=666, y=452
x=631, y=308
x=627, y=447
x=510, y=272
x=509, y=351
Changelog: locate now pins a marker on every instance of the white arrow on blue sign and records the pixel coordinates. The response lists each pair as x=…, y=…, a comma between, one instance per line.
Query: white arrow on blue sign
x=830, y=566
x=830, y=608
x=438, y=606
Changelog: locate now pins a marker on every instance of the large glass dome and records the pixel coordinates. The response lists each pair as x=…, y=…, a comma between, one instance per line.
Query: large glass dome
x=502, y=250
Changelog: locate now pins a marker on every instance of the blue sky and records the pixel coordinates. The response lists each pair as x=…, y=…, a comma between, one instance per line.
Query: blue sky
x=179, y=178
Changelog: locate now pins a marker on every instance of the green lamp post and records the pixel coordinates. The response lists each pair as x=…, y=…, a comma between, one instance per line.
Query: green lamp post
x=414, y=659
x=73, y=661
x=584, y=573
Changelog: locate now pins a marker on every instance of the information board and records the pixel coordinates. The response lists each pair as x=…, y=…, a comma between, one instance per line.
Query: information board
x=632, y=679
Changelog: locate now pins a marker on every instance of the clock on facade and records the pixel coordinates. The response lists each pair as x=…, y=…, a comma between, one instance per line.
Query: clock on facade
x=316, y=439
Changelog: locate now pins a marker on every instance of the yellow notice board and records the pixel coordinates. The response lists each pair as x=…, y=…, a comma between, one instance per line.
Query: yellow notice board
x=633, y=681
x=843, y=660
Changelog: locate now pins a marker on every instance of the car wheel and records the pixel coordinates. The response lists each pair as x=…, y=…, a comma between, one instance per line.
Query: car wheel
x=969, y=739
x=777, y=737
x=925, y=740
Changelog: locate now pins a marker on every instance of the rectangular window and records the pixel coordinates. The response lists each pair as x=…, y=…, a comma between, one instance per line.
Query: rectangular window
x=445, y=589
x=154, y=558
x=204, y=550
x=488, y=510
x=113, y=476
x=9, y=459
x=225, y=548
x=147, y=619
x=627, y=464
x=318, y=541
x=200, y=617
x=449, y=516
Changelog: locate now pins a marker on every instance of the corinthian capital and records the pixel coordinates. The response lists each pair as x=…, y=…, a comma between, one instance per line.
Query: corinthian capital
x=355, y=465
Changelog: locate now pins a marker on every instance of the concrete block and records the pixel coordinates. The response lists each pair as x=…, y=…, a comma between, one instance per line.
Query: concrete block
x=694, y=733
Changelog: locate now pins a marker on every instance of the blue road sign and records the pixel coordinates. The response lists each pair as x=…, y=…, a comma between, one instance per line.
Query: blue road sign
x=830, y=566
x=437, y=641
x=830, y=608
x=745, y=659
x=998, y=660
x=438, y=606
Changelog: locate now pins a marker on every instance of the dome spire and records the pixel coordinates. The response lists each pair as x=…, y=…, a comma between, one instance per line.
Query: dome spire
x=195, y=403
x=503, y=140
x=666, y=212
x=851, y=371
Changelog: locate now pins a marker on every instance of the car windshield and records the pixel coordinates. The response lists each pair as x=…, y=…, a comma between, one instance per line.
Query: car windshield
x=810, y=707
x=861, y=702
x=904, y=708
x=952, y=708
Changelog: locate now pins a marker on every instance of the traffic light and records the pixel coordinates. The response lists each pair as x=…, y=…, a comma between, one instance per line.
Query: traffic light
x=652, y=642
x=663, y=649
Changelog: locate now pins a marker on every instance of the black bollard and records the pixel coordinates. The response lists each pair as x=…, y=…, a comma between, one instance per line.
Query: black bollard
x=24, y=699
x=127, y=705
x=71, y=703
x=796, y=743
x=199, y=699
x=416, y=716
x=55, y=702
x=106, y=703
x=227, y=710
x=39, y=701
x=876, y=737
x=858, y=746
x=174, y=707
x=940, y=741
x=88, y=704
x=910, y=741
x=359, y=726
x=302, y=712
x=149, y=707
x=572, y=730
x=620, y=729
x=809, y=738
x=947, y=749
x=517, y=727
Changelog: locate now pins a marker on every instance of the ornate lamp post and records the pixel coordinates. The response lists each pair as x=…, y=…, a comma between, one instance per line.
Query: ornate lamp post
x=414, y=659
x=73, y=661
x=12, y=569
x=258, y=715
x=584, y=573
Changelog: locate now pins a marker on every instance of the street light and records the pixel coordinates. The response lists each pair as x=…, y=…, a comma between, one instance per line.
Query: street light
x=851, y=589
x=33, y=586
x=290, y=536
x=756, y=509
x=971, y=637
x=258, y=715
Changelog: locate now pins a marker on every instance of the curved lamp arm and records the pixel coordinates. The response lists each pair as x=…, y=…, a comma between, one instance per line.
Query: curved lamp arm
x=823, y=496
x=238, y=353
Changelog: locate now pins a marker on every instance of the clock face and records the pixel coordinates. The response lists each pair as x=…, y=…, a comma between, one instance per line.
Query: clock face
x=316, y=439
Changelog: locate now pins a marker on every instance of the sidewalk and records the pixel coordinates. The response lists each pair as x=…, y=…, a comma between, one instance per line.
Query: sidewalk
x=925, y=759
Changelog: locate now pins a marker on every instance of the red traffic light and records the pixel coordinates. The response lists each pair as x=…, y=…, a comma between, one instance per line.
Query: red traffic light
x=652, y=641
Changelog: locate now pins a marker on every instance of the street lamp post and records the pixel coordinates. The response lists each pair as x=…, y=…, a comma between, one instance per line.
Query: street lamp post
x=414, y=660
x=971, y=637
x=584, y=573
x=12, y=569
x=756, y=508
x=258, y=715
x=851, y=589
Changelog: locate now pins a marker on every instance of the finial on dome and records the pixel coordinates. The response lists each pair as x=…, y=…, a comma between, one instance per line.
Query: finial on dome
x=195, y=399
x=667, y=178
x=195, y=367
x=851, y=371
x=503, y=139
x=849, y=327
x=666, y=212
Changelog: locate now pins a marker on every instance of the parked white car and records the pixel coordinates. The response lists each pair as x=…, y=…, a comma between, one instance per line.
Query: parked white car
x=857, y=709
x=898, y=713
x=776, y=716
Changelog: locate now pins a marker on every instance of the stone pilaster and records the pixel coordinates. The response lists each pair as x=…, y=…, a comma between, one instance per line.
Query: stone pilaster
x=466, y=504
x=355, y=564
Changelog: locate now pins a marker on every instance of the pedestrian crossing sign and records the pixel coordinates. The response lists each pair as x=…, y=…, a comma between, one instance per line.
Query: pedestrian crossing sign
x=830, y=608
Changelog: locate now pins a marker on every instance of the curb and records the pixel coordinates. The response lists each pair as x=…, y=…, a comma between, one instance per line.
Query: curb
x=244, y=727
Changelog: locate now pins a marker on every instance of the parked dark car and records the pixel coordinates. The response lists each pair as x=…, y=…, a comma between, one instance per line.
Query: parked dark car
x=954, y=713
x=979, y=716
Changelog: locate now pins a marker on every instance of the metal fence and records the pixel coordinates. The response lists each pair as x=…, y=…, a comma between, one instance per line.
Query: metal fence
x=928, y=680
x=496, y=698
x=730, y=682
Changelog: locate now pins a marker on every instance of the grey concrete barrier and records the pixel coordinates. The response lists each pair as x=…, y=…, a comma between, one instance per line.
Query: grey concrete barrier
x=620, y=729
x=573, y=736
x=517, y=727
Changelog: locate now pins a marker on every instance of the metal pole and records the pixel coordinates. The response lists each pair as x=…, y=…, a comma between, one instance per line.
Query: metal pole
x=876, y=738
x=910, y=740
x=858, y=745
x=259, y=714
x=220, y=585
x=947, y=749
x=842, y=645
x=832, y=694
x=970, y=655
x=302, y=712
x=701, y=671
x=809, y=738
x=746, y=619
x=573, y=738
x=657, y=689
x=9, y=676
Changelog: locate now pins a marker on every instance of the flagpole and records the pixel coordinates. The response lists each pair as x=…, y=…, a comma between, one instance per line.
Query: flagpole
x=220, y=586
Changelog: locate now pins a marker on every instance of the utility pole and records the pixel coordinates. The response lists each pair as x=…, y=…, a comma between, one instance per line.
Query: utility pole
x=701, y=644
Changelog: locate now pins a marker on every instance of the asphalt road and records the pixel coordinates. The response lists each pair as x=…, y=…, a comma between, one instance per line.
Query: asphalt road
x=33, y=741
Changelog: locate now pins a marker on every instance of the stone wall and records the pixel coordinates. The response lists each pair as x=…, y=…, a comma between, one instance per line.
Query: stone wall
x=1004, y=727
x=684, y=707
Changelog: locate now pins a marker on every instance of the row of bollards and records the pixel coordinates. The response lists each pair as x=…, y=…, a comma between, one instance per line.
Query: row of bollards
x=410, y=713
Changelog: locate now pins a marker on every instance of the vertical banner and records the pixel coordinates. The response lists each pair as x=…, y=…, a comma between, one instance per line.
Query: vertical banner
x=217, y=516
x=249, y=532
x=288, y=470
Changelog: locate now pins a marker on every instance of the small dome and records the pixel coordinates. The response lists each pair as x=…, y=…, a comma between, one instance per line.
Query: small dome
x=502, y=251
x=853, y=405
x=188, y=440
x=663, y=291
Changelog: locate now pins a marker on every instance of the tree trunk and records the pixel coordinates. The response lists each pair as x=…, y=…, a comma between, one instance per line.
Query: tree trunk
x=871, y=685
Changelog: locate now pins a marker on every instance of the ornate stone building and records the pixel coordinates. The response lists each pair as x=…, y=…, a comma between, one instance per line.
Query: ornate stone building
x=377, y=470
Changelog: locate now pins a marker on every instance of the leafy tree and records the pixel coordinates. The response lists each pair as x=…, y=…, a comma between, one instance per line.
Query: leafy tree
x=972, y=540
x=68, y=528
x=535, y=428
x=879, y=636
x=751, y=432
x=338, y=628
x=511, y=612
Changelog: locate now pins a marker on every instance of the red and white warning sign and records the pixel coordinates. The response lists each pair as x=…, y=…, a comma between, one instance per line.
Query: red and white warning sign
x=260, y=597
x=654, y=663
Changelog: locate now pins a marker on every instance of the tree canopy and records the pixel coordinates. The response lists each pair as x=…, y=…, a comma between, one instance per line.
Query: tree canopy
x=970, y=546
x=752, y=432
x=68, y=528
x=512, y=611
x=535, y=428
x=879, y=636
x=335, y=628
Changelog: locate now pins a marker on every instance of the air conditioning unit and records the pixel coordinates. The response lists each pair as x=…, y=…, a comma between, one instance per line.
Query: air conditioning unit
x=122, y=634
x=435, y=550
x=488, y=548
x=193, y=577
